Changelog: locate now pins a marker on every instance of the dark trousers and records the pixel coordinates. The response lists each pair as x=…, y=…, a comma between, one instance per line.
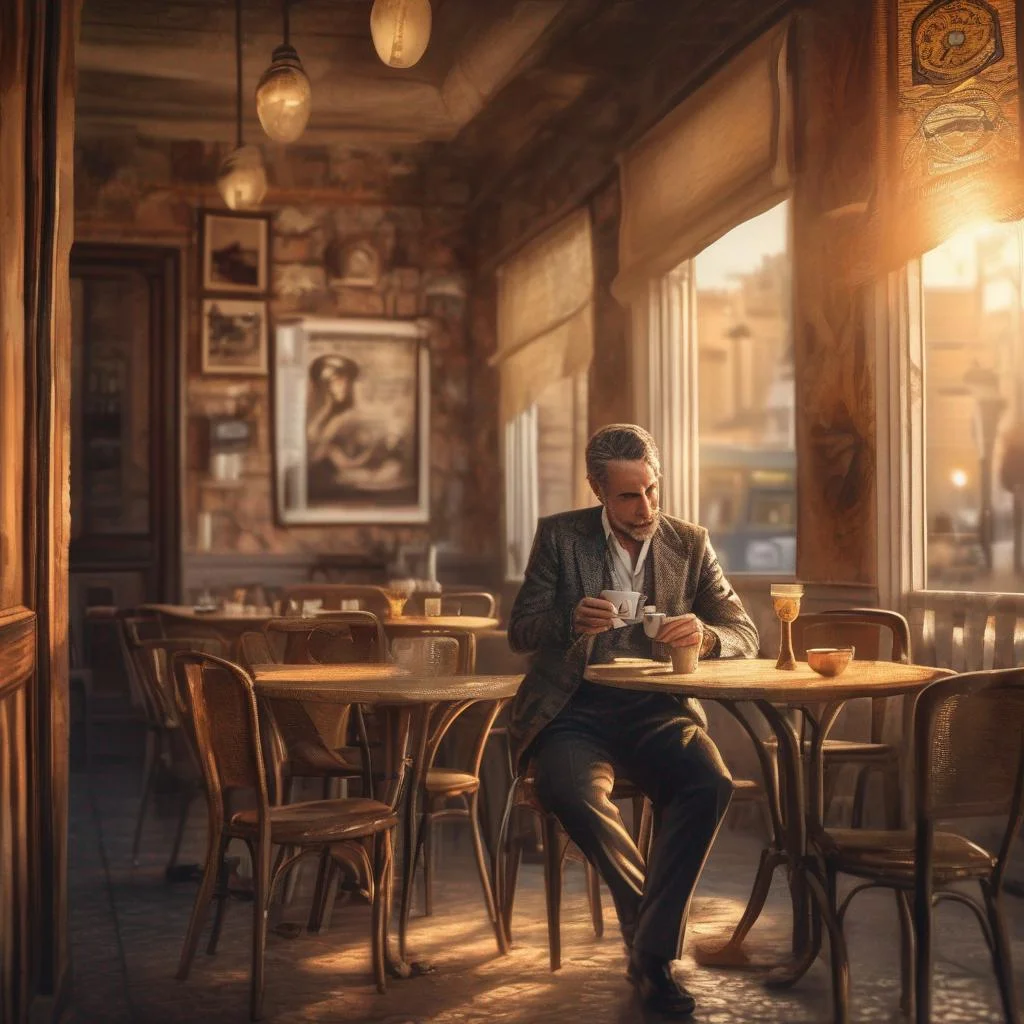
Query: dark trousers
x=652, y=742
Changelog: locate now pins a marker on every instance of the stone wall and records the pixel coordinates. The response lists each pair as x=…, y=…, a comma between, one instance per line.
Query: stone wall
x=410, y=206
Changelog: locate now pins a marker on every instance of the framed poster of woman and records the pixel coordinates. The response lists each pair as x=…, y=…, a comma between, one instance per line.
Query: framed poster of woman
x=351, y=421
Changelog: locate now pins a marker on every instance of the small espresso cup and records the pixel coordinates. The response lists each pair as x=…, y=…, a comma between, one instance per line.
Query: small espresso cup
x=432, y=606
x=625, y=602
x=684, y=659
x=653, y=621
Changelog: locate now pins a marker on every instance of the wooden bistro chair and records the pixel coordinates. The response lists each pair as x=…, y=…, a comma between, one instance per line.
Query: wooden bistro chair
x=556, y=849
x=450, y=793
x=227, y=731
x=969, y=763
x=313, y=738
x=866, y=629
x=169, y=746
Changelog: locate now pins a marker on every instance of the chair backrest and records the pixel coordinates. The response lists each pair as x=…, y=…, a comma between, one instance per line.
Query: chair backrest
x=969, y=755
x=874, y=632
x=446, y=718
x=154, y=656
x=427, y=654
x=456, y=602
x=133, y=631
x=967, y=632
x=370, y=598
x=225, y=727
x=340, y=638
x=255, y=649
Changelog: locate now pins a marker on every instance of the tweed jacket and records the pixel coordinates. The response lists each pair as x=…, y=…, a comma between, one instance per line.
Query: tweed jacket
x=567, y=563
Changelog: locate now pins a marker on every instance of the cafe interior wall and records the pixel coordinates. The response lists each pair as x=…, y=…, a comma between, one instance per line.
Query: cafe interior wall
x=409, y=205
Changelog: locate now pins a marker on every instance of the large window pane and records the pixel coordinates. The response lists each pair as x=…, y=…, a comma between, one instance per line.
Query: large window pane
x=745, y=380
x=974, y=439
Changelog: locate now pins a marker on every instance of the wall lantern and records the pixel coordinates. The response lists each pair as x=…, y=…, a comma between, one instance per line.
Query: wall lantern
x=400, y=30
x=242, y=180
x=283, y=96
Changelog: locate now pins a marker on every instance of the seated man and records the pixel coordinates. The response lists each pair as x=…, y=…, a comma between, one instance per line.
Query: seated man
x=580, y=734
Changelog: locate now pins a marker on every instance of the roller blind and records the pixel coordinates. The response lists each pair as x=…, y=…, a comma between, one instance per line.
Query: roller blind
x=722, y=156
x=545, y=313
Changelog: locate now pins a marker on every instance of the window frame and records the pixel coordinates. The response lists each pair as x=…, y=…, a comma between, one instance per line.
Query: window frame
x=665, y=337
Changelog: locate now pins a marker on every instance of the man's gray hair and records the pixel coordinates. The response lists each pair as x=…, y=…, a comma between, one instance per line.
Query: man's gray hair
x=620, y=441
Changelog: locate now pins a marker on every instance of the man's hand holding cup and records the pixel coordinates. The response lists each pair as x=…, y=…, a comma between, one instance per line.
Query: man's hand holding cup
x=593, y=615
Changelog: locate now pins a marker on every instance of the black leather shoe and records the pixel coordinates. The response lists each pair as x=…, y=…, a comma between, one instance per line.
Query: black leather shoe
x=658, y=990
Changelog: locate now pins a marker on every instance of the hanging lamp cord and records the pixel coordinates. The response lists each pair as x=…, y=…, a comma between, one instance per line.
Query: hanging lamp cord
x=238, y=72
x=285, y=12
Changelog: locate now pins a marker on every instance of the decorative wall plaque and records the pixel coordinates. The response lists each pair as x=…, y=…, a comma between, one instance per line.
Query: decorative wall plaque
x=955, y=39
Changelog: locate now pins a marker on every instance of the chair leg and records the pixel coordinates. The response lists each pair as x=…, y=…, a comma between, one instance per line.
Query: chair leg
x=504, y=880
x=893, y=796
x=149, y=772
x=594, y=899
x=427, y=832
x=1001, y=960
x=645, y=835
x=260, y=912
x=324, y=877
x=555, y=843
x=482, y=868
x=860, y=795
x=222, y=897
x=906, y=953
x=923, y=960
x=383, y=881
x=186, y=805
x=200, y=908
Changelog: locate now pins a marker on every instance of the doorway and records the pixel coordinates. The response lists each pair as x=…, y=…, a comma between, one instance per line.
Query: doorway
x=125, y=438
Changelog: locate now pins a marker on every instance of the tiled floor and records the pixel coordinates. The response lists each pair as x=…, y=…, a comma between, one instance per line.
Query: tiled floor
x=128, y=924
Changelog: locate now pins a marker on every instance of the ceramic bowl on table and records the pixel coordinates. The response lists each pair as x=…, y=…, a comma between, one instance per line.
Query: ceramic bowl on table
x=829, y=661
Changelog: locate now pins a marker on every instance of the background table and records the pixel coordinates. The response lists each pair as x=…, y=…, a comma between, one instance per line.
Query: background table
x=795, y=809
x=470, y=623
x=406, y=701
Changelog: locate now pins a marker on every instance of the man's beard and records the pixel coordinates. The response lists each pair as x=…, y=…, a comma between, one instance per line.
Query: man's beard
x=640, y=533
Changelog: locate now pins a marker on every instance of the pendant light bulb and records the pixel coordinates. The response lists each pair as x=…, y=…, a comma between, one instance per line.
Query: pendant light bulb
x=242, y=179
x=400, y=30
x=283, y=96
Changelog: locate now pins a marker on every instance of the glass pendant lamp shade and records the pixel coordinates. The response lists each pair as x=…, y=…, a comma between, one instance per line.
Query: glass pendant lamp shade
x=283, y=96
x=400, y=30
x=242, y=180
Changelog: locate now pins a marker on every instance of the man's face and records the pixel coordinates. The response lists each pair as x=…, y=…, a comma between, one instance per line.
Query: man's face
x=630, y=497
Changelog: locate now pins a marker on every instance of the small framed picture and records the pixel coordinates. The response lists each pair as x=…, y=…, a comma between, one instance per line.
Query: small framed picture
x=235, y=252
x=234, y=336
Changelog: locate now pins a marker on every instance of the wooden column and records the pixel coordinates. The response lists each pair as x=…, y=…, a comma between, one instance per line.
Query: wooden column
x=37, y=39
x=835, y=394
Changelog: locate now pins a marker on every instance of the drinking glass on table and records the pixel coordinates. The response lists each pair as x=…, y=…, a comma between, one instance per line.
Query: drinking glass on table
x=786, y=602
x=432, y=606
x=398, y=593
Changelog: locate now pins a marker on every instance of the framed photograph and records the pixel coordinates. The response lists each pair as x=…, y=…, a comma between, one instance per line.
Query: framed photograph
x=351, y=421
x=234, y=336
x=235, y=252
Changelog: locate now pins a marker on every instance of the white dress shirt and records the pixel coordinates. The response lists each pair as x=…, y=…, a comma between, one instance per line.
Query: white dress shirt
x=625, y=575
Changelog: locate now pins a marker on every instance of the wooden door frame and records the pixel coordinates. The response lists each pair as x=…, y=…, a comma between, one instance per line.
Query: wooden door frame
x=161, y=265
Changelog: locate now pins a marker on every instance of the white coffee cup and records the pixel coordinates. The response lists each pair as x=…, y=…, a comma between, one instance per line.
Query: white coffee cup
x=653, y=621
x=625, y=601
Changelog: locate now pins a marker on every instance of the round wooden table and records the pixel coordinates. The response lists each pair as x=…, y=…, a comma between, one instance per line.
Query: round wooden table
x=185, y=620
x=795, y=807
x=406, y=702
